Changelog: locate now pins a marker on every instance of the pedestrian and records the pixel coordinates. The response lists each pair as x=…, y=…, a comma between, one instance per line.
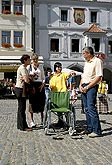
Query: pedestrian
x=102, y=103
x=22, y=79
x=37, y=91
x=71, y=85
x=92, y=75
x=58, y=84
x=47, y=89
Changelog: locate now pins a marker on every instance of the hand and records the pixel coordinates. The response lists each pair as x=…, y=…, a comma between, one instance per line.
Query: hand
x=41, y=87
x=83, y=89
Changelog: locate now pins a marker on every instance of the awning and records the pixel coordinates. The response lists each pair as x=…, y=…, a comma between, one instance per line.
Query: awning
x=8, y=68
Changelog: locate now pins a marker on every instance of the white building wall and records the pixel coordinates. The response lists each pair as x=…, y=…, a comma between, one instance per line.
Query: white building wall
x=49, y=22
x=43, y=41
x=13, y=23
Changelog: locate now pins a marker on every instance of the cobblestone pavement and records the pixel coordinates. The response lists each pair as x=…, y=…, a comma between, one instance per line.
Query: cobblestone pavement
x=35, y=148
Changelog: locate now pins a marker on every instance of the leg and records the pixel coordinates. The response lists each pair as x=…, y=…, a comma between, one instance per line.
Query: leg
x=21, y=116
x=92, y=110
x=42, y=116
x=88, y=119
x=32, y=124
x=31, y=116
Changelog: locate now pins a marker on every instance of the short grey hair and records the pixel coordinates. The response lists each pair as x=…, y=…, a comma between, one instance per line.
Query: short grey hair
x=89, y=49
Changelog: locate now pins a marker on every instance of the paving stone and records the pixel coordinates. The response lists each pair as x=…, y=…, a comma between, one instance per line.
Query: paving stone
x=35, y=148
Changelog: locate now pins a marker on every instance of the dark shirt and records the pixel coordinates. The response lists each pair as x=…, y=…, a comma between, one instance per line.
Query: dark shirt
x=47, y=78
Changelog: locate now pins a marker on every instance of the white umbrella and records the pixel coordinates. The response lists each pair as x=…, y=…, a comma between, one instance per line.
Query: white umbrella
x=67, y=70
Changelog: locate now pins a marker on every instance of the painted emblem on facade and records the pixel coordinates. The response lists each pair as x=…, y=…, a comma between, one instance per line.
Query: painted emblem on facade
x=79, y=16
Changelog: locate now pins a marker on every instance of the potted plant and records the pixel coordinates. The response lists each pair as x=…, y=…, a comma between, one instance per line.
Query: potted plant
x=18, y=45
x=6, y=12
x=6, y=45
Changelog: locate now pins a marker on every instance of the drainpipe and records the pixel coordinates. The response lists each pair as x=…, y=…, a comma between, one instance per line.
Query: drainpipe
x=33, y=23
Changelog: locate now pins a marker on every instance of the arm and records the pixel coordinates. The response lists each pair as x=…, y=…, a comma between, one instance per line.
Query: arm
x=90, y=85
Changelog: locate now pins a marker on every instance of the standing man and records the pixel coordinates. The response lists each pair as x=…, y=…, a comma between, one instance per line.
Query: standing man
x=92, y=75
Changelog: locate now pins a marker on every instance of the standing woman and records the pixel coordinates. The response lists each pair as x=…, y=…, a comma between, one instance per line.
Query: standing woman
x=37, y=92
x=22, y=79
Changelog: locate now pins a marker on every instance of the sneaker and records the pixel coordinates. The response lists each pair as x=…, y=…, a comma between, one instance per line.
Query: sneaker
x=93, y=135
x=32, y=125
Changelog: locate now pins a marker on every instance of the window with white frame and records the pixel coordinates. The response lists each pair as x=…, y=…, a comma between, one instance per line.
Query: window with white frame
x=54, y=44
x=64, y=15
x=18, y=38
x=74, y=45
x=18, y=7
x=6, y=6
x=110, y=46
x=6, y=37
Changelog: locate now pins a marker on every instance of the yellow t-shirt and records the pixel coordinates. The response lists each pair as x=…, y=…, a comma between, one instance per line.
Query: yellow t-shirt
x=58, y=82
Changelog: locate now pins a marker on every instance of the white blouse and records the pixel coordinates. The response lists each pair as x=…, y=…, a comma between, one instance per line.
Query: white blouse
x=38, y=75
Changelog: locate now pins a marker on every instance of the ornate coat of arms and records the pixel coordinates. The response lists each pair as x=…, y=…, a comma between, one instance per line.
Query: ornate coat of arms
x=79, y=16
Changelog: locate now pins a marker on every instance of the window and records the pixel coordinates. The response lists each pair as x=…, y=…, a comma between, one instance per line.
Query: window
x=6, y=35
x=93, y=17
x=6, y=6
x=18, y=37
x=96, y=44
x=64, y=15
x=54, y=45
x=75, y=45
x=18, y=7
x=110, y=46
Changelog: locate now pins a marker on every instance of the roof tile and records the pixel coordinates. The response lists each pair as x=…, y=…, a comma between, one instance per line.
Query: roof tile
x=94, y=29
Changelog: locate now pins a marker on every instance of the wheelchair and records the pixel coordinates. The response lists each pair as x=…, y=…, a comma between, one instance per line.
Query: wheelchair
x=59, y=102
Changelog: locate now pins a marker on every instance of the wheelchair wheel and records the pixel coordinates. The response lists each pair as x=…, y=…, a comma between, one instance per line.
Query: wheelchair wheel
x=71, y=131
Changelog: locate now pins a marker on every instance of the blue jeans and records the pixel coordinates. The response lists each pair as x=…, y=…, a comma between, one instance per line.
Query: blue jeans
x=47, y=91
x=92, y=117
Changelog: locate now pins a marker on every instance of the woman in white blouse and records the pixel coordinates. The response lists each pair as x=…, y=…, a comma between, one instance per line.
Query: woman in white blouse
x=37, y=92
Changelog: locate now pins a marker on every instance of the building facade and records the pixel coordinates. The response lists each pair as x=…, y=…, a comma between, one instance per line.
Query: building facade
x=63, y=28
x=15, y=34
